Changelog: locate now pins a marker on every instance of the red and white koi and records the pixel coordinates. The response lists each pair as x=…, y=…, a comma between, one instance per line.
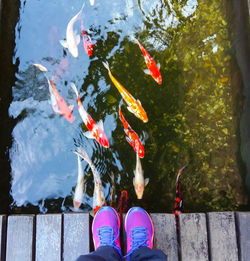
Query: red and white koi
x=152, y=67
x=132, y=137
x=79, y=190
x=98, y=196
x=72, y=38
x=87, y=42
x=134, y=106
x=138, y=181
x=58, y=104
x=95, y=130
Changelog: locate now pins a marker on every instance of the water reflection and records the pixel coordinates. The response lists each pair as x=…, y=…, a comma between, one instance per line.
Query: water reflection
x=192, y=117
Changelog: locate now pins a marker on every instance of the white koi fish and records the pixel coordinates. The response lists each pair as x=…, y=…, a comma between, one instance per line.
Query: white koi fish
x=72, y=38
x=98, y=197
x=138, y=181
x=79, y=190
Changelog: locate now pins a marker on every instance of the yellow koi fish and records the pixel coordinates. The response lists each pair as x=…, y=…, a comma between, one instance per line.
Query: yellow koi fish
x=134, y=105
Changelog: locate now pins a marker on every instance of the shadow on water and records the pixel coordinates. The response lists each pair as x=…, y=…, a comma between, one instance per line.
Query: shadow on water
x=197, y=117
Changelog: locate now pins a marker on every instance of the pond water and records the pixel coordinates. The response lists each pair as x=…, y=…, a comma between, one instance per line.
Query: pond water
x=193, y=116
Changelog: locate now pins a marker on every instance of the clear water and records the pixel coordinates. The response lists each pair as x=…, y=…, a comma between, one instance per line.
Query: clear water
x=193, y=115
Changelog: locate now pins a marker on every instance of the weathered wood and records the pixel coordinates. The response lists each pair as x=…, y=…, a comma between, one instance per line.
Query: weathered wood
x=20, y=238
x=222, y=236
x=76, y=235
x=193, y=237
x=2, y=237
x=48, y=237
x=243, y=221
x=165, y=235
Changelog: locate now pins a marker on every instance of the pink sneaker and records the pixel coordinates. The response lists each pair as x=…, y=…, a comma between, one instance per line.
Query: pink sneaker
x=106, y=228
x=139, y=228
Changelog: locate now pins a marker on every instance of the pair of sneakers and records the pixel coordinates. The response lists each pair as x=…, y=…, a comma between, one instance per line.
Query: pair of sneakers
x=138, y=226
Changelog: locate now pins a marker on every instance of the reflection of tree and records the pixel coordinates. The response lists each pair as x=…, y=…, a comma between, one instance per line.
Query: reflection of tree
x=191, y=117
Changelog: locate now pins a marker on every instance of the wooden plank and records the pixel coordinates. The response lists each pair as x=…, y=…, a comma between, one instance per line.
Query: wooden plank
x=165, y=235
x=222, y=236
x=76, y=235
x=243, y=221
x=48, y=237
x=3, y=219
x=193, y=237
x=20, y=238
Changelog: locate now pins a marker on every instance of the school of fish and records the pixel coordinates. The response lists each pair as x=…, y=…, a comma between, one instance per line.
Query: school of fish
x=96, y=130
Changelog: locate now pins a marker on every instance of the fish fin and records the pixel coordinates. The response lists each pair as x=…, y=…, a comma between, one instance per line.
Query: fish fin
x=147, y=71
x=146, y=181
x=56, y=108
x=78, y=38
x=129, y=108
x=64, y=44
x=100, y=124
x=129, y=141
x=71, y=107
x=139, y=101
x=159, y=65
x=88, y=135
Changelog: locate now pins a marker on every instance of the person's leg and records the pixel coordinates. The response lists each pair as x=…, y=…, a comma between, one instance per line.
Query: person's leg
x=106, y=236
x=140, y=234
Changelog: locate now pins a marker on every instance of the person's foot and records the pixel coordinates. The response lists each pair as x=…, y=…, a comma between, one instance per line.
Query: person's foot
x=106, y=228
x=139, y=229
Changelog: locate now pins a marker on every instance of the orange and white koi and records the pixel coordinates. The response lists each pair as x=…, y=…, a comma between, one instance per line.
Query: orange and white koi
x=138, y=181
x=72, y=38
x=87, y=42
x=95, y=129
x=134, y=106
x=132, y=137
x=79, y=190
x=58, y=104
x=98, y=196
x=152, y=67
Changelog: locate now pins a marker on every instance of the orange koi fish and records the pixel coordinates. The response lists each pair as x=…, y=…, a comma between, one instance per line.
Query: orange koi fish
x=123, y=204
x=132, y=137
x=58, y=104
x=95, y=130
x=87, y=42
x=134, y=106
x=178, y=206
x=152, y=67
x=63, y=108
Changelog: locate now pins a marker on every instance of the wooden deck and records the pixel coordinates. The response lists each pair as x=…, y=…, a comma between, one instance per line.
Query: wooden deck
x=216, y=236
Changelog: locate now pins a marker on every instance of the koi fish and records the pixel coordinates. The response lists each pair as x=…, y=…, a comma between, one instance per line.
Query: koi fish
x=72, y=38
x=95, y=130
x=178, y=206
x=79, y=190
x=134, y=106
x=123, y=204
x=87, y=42
x=132, y=137
x=98, y=196
x=58, y=104
x=152, y=67
x=138, y=181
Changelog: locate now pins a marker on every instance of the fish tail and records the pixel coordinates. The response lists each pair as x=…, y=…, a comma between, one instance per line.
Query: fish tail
x=82, y=6
x=40, y=67
x=106, y=65
x=73, y=86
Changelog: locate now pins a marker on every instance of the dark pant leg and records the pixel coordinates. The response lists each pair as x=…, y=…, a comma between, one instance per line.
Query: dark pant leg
x=103, y=253
x=145, y=253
